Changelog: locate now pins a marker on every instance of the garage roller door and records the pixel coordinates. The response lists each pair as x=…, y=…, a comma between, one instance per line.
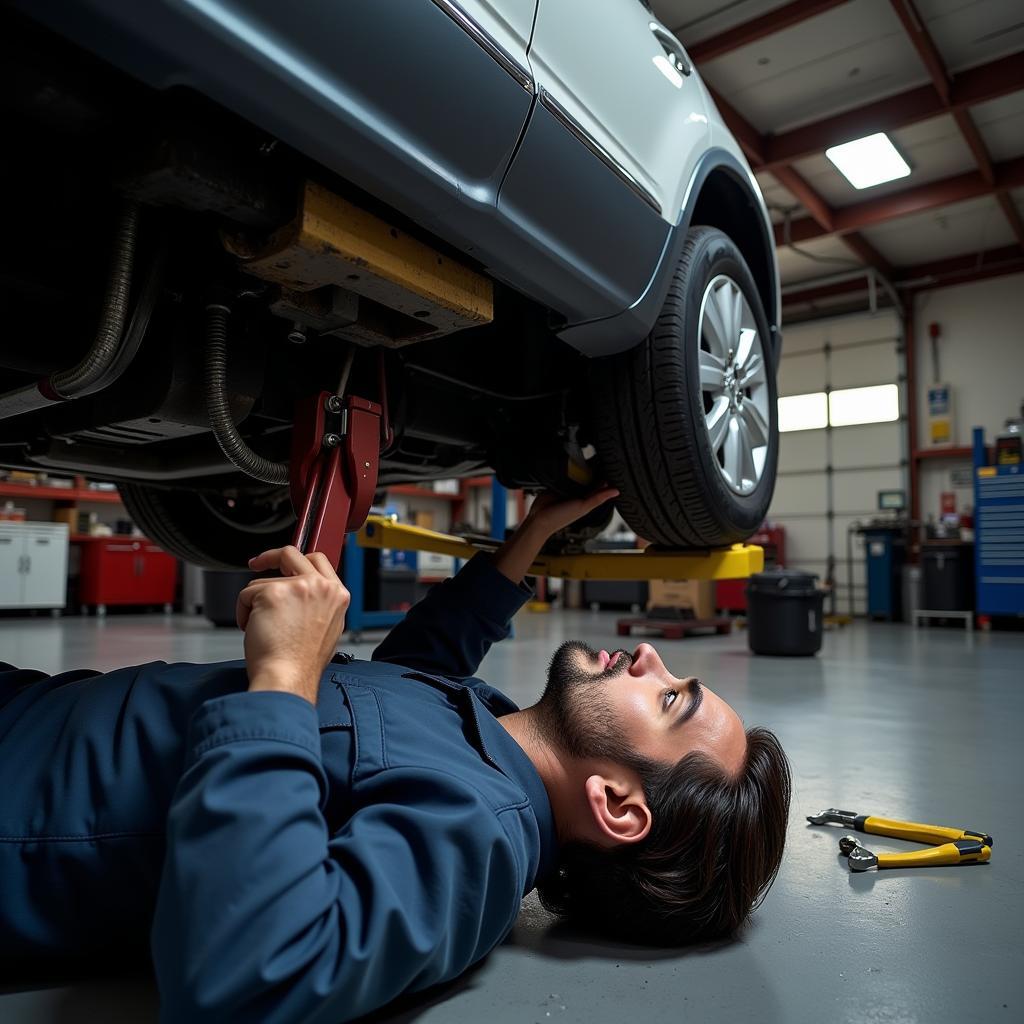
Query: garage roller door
x=829, y=476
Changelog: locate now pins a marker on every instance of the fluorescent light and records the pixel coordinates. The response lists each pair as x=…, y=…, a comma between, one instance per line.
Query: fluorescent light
x=803, y=412
x=880, y=404
x=869, y=161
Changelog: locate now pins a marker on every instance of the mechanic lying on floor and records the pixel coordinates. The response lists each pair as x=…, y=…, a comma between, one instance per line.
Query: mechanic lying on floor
x=304, y=838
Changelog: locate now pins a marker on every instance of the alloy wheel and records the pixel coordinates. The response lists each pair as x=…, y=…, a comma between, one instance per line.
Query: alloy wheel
x=734, y=385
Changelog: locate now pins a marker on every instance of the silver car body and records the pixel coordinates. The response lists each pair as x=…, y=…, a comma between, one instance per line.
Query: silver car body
x=564, y=145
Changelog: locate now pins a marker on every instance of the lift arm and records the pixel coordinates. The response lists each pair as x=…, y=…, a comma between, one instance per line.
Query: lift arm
x=736, y=562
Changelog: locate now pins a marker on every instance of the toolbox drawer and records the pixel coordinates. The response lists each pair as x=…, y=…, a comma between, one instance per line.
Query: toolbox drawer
x=125, y=571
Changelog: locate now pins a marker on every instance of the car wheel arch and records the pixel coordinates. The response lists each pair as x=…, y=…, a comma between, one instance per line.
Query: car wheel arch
x=721, y=194
x=725, y=201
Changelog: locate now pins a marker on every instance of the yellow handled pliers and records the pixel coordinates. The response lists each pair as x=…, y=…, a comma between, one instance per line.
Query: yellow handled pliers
x=950, y=845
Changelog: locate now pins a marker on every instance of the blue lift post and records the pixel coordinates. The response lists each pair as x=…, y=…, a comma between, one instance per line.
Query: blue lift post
x=499, y=523
x=499, y=509
x=358, y=618
x=998, y=534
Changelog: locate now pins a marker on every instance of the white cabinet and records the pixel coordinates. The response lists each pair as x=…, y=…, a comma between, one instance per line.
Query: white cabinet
x=33, y=565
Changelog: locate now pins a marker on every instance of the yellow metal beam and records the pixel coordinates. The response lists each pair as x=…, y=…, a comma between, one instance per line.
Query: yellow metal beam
x=737, y=562
x=332, y=242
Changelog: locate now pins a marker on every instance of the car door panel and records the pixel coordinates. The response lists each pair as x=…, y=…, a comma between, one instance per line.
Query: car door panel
x=583, y=217
x=602, y=171
x=608, y=66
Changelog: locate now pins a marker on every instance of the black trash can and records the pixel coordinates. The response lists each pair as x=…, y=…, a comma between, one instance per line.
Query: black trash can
x=947, y=576
x=220, y=593
x=784, y=612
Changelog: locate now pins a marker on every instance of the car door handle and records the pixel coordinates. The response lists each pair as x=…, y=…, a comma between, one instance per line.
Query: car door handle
x=673, y=48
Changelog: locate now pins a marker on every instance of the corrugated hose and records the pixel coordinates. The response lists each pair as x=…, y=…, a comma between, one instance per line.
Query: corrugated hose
x=235, y=450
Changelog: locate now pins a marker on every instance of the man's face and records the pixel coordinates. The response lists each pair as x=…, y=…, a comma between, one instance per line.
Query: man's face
x=598, y=705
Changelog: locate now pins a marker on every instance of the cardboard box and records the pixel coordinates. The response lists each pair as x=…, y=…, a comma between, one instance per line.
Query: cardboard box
x=698, y=595
x=67, y=515
x=78, y=522
x=425, y=520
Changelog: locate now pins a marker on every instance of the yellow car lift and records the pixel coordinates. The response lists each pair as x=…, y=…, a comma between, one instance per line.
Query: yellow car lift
x=736, y=562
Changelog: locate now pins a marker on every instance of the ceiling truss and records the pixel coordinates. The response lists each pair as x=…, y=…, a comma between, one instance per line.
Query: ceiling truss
x=946, y=94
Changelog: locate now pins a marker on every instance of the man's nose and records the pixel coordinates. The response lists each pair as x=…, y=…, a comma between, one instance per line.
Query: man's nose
x=645, y=657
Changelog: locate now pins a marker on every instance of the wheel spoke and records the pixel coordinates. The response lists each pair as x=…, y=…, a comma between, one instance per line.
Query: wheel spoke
x=757, y=429
x=745, y=348
x=733, y=452
x=712, y=373
x=735, y=297
x=753, y=372
x=748, y=472
x=713, y=328
x=717, y=421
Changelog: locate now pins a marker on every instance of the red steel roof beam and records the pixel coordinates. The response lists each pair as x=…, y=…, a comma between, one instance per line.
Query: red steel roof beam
x=969, y=88
x=956, y=269
x=816, y=206
x=1008, y=175
x=1009, y=208
x=929, y=54
x=1004, y=260
x=975, y=143
x=805, y=194
x=866, y=252
x=757, y=28
x=926, y=49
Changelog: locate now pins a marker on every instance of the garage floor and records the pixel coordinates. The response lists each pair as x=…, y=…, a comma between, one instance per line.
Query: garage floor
x=924, y=725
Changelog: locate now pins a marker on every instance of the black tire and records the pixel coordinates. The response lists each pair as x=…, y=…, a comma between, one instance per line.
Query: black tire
x=215, y=530
x=648, y=415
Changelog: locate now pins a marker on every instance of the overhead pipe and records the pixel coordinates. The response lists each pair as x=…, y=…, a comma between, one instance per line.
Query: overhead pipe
x=92, y=372
x=231, y=443
x=873, y=277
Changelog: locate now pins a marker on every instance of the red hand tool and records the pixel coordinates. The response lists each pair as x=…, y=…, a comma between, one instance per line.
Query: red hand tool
x=336, y=444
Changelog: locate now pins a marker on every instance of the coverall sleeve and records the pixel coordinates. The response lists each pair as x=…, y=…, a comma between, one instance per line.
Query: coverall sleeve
x=452, y=628
x=262, y=916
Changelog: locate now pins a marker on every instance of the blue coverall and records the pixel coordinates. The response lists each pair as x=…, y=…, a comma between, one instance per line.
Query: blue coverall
x=288, y=863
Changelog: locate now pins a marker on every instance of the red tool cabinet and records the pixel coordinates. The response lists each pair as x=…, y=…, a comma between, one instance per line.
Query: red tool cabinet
x=124, y=571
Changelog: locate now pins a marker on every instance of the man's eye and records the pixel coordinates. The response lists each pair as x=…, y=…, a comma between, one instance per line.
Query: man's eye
x=670, y=696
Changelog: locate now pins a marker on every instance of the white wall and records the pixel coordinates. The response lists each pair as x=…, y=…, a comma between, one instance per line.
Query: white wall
x=981, y=354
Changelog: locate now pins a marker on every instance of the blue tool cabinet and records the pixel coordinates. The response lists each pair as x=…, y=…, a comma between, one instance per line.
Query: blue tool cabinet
x=885, y=550
x=999, y=534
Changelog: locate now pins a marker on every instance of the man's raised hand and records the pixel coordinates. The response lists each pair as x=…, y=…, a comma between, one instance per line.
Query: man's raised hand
x=292, y=622
x=550, y=512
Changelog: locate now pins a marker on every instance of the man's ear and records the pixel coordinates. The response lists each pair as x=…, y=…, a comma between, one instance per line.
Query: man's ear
x=618, y=809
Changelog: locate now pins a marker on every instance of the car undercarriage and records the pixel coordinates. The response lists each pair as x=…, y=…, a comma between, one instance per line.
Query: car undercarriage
x=147, y=221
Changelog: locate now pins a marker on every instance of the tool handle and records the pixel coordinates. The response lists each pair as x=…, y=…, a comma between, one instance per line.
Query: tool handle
x=964, y=851
x=912, y=830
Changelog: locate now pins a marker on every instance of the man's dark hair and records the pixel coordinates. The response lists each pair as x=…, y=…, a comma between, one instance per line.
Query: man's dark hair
x=712, y=853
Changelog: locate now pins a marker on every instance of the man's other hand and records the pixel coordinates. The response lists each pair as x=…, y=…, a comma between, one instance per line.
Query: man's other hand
x=549, y=512
x=292, y=622
x=547, y=515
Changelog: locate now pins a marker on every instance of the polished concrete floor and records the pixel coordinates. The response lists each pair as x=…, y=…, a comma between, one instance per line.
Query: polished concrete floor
x=924, y=725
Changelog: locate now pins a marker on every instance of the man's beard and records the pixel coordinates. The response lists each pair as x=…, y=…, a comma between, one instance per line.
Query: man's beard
x=573, y=713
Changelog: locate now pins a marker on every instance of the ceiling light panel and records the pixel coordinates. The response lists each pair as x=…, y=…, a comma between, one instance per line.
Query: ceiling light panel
x=869, y=161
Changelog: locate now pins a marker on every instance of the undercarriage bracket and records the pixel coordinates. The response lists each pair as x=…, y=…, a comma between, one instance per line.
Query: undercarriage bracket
x=344, y=271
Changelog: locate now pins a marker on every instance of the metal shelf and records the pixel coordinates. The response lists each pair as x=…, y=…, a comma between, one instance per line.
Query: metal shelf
x=412, y=491
x=9, y=490
x=944, y=453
